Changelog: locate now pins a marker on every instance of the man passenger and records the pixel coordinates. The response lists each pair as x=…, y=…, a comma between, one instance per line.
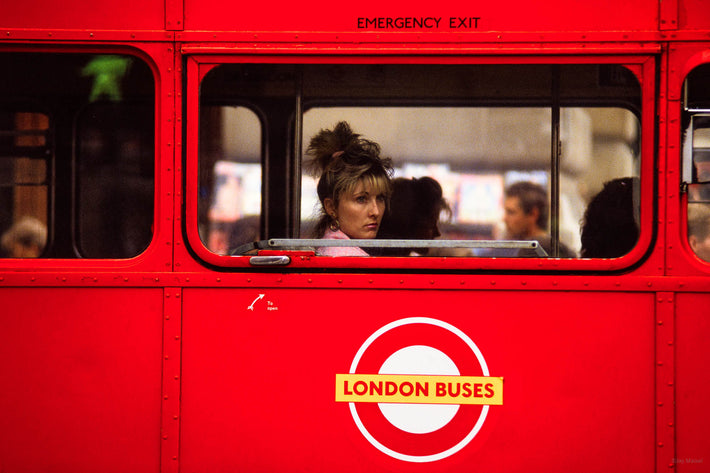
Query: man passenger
x=526, y=215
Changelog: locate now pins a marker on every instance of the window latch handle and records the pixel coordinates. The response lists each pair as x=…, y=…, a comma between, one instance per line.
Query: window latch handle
x=279, y=260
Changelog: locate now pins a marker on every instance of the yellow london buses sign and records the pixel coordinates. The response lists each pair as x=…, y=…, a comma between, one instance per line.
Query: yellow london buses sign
x=482, y=390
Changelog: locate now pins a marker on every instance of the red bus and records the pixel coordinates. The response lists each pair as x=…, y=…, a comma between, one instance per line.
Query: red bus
x=163, y=303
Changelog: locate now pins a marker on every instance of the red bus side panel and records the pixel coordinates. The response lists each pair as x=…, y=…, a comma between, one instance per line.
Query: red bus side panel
x=81, y=379
x=260, y=366
x=692, y=382
x=78, y=14
x=457, y=17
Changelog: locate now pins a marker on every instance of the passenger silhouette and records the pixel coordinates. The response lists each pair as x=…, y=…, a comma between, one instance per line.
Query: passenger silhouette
x=414, y=212
x=610, y=226
x=699, y=230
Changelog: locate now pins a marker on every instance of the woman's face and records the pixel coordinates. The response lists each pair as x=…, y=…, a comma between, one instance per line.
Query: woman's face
x=359, y=212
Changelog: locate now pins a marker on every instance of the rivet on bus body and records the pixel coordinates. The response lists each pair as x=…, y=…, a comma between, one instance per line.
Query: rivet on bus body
x=165, y=397
x=660, y=322
x=660, y=363
x=431, y=282
x=125, y=279
x=493, y=283
x=660, y=404
x=340, y=281
x=660, y=444
x=219, y=279
x=248, y=279
x=523, y=283
x=157, y=279
x=310, y=280
x=371, y=281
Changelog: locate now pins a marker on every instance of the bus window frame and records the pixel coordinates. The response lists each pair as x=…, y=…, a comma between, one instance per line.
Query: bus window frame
x=685, y=173
x=155, y=256
x=643, y=66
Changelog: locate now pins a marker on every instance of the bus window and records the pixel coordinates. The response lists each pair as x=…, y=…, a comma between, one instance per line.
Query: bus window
x=77, y=154
x=229, y=206
x=24, y=186
x=477, y=130
x=476, y=154
x=696, y=158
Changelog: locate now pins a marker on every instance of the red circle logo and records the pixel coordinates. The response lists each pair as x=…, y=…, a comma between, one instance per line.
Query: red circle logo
x=413, y=390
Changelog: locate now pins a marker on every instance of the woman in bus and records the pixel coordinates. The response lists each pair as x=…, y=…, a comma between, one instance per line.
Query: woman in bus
x=353, y=187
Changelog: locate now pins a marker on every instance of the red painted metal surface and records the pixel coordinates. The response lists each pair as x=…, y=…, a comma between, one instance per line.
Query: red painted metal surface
x=575, y=381
x=522, y=16
x=156, y=363
x=81, y=377
x=102, y=15
x=692, y=386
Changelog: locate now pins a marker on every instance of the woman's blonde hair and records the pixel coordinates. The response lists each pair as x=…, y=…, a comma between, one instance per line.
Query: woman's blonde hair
x=341, y=159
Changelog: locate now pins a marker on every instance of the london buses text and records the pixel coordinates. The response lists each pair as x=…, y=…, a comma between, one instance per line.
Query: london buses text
x=427, y=389
x=418, y=389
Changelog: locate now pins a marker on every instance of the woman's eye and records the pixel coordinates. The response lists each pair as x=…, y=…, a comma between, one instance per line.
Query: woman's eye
x=380, y=198
x=361, y=199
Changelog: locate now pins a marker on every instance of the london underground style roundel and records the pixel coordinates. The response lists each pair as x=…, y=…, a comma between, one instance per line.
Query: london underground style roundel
x=419, y=389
